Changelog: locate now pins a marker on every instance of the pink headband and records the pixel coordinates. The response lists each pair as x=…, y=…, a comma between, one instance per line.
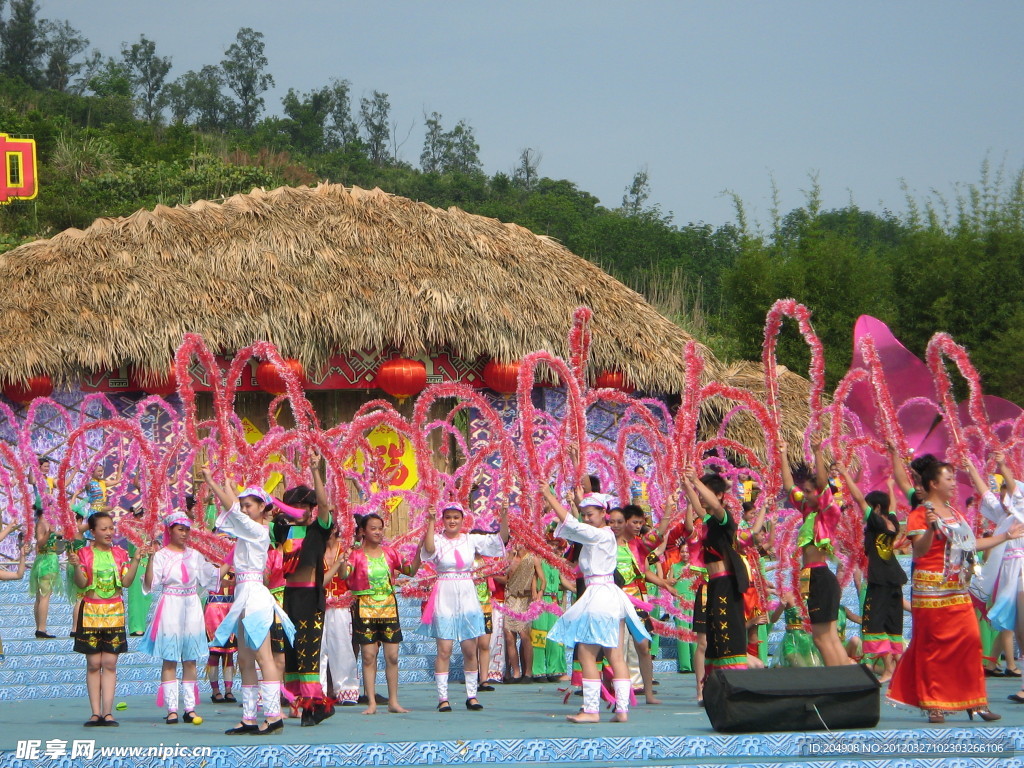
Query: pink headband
x=256, y=492
x=454, y=506
x=177, y=518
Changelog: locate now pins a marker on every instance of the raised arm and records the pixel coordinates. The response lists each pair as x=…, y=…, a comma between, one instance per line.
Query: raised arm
x=758, y=525
x=556, y=507
x=855, y=492
x=820, y=471
x=782, y=448
x=1004, y=469
x=980, y=486
x=503, y=524
x=427, y=543
x=899, y=470
x=708, y=500
x=692, y=502
x=323, y=505
x=226, y=498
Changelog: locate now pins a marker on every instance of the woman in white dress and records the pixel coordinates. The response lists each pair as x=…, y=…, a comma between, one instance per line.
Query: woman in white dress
x=245, y=517
x=452, y=612
x=177, y=633
x=598, y=618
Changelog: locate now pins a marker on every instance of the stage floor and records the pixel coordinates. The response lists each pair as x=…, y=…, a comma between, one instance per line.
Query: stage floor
x=521, y=725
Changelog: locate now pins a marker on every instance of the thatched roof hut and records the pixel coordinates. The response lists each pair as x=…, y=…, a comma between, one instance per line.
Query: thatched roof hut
x=315, y=271
x=329, y=270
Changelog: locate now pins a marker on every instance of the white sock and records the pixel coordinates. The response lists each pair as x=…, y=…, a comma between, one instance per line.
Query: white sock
x=250, y=701
x=442, y=686
x=591, y=696
x=189, y=694
x=169, y=689
x=271, y=695
x=622, y=690
x=472, y=684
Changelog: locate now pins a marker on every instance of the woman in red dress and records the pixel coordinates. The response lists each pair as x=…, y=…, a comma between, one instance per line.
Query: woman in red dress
x=941, y=670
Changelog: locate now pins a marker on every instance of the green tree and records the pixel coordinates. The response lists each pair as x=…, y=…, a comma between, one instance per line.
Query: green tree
x=634, y=200
x=197, y=98
x=111, y=79
x=525, y=174
x=147, y=72
x=22, y=42
x=244, y=65
x=454, y=151
x=63, y=45
x=307, y=117
x=341, y=128
x=374, y=119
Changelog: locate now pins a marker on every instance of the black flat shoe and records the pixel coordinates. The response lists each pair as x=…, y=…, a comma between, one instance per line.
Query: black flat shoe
x=1011, y=672
x=172, y=719
x=229, y=696
x=277, y=725
x=994, y=673
x=243, y=728
x=218, y=698
x=475, y=707
x=44, y=635
x=444, y=706
x=111, y=723
x=307, y=719
x=485, y=687
x=93, y=722
x=1011, y=697
x=190, y=716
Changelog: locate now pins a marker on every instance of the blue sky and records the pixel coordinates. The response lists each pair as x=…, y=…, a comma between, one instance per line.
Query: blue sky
x=708, y=96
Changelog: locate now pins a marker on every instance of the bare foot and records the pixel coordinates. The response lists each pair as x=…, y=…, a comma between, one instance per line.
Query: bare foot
x=652, y=700
x=885, y=678
x=370, y=710
x=623, y=717
x=396, y=708
x=584, y=717
x=564, y=679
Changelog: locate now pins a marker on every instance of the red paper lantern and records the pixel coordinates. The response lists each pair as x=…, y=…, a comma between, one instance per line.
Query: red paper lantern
x=153, y=383
x=612, y=380
x=26, y=392
x=402, y=378
x=502, y=377
x=270, y=380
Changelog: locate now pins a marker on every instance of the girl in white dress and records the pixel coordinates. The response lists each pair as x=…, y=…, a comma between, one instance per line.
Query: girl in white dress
x=452, y=612
x=595, y=621
x=245, y=517
x=177, y=633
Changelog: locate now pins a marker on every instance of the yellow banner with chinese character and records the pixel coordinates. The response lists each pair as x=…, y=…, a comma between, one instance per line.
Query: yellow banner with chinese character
x=397, y=458
x=253, y=436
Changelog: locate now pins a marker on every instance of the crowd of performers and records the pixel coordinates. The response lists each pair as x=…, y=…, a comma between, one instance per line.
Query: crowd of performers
x=303, y=616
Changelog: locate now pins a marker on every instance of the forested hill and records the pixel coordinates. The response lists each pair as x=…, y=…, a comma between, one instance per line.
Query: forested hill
x=119, y=131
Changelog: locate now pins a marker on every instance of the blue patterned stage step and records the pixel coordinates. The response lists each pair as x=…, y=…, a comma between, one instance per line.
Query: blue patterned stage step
x=42, y=669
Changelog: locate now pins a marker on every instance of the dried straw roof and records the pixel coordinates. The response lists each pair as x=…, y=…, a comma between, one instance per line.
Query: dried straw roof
x=316, y=271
